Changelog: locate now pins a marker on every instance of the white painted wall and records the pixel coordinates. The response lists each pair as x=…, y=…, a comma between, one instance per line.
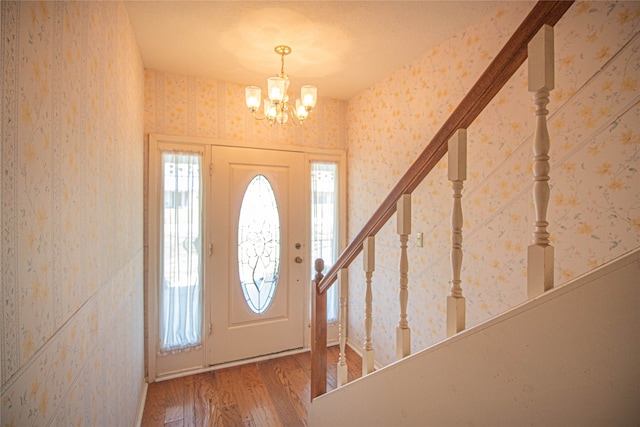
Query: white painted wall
x=568, y=357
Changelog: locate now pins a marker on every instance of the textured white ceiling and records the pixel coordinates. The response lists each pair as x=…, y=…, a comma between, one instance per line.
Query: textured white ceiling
x=342, y=47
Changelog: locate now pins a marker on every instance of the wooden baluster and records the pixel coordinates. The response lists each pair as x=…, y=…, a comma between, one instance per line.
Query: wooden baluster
x=369, y=267
x=318, y=335
x=403, y=332
x=541, y=81
x=456, y=317
x=343, y=277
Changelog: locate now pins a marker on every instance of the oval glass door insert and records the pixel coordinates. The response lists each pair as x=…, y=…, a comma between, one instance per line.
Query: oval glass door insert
x=259, y=244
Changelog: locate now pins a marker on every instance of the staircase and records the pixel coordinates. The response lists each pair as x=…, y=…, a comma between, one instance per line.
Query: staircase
x=569, y=357
x=560, y=358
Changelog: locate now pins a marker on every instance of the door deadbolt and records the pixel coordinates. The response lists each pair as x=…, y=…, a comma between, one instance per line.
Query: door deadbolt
x=298, y=245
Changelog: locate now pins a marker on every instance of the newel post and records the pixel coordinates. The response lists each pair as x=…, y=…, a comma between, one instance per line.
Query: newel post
x=456, y=314
x=318, y=335
x=541, y=81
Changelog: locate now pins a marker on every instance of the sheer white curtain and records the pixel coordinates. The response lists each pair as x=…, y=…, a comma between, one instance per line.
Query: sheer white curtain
x=181, y=266
x=324, y=224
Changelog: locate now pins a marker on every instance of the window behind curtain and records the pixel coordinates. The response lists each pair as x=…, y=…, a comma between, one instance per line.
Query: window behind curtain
x=181, y=258
x=324, y=224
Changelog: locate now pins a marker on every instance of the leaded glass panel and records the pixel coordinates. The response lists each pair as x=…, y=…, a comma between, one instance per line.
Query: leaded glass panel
x=259, y=244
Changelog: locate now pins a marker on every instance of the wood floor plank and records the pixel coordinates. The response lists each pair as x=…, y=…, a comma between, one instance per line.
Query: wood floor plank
x=295, y=381
x=206, y=406
x=264, y=394
x=153, y=415
x=284, y=399
x=231, y=414
x=188, y=419
x=255, y=397
x=354, y=364
x=332, y=370
x=304, y=361
x=174, y=401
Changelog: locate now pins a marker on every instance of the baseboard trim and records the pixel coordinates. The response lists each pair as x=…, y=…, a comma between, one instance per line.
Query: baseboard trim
x=141, y=402
x=172, y=375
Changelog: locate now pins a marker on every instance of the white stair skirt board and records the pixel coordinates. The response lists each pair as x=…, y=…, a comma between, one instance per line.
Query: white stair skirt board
x=567, y=357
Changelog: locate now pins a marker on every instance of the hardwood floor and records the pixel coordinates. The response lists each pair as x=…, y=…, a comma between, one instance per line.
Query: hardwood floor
x=269, y=393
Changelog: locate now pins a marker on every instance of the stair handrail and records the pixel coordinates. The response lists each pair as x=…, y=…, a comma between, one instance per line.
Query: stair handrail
x=497, y=74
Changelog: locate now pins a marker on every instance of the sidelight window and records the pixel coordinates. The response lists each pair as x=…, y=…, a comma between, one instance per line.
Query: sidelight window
x=181, y=266
x=324, y=224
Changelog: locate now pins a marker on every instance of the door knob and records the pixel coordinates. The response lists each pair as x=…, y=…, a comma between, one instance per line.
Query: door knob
x=298, y=260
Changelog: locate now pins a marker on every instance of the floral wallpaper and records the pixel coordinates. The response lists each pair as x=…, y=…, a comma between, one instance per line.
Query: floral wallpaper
x=192, y=106
x=72, y=253
x=594, y=125
x=75, y=104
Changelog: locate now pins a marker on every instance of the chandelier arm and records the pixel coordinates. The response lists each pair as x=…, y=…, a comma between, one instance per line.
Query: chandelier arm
x=294, y=118
x=255, y=116
x=293, y=113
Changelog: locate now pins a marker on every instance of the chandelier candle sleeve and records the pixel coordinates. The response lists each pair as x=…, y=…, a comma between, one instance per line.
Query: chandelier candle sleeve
x=276, y=104
x=253, y=95
x=301, y=111
x=276, y=89
x=309, y=94
x=269, y=109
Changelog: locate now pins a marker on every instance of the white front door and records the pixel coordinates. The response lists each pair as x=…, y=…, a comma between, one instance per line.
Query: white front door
x=258, y=231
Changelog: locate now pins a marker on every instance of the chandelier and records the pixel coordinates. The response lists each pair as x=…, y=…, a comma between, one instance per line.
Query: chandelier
x=276, y=105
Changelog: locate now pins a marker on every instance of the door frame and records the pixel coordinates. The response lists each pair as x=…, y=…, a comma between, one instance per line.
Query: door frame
x=152, y=239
